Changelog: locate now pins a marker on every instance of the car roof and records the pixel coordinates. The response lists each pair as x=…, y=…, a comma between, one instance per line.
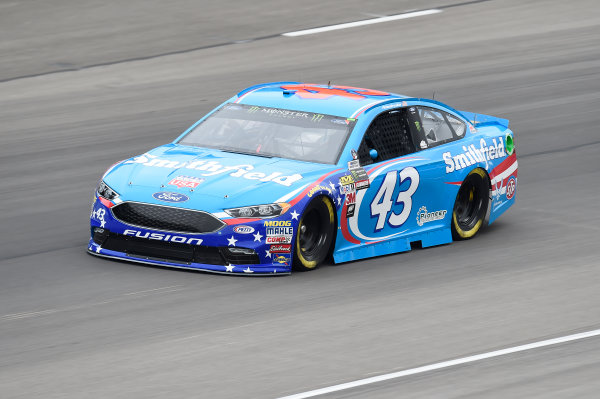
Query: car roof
x=345, y=101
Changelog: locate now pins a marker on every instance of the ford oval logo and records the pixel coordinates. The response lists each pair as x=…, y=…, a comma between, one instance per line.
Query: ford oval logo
x=243, y=229
x=170, y=197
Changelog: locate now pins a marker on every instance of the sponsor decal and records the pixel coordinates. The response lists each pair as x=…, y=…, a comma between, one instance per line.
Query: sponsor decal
x=423, y=216
x=98, y=214
x=394, y=105
x=354, y=164
x=472, y=155
x=354, y=154
x=317, y=117
x=280, y=231
x=362, y=184
x=186, y=182
x=243, y=229
x=339, y=121
x=278, y=240
x=347, y=188
x=351, y=198
x=347, y=179
x=359, y=174
x=511, y=188
x=317, y=188
x=170, y=197
x=282, y=260
x=350, y=210
x=213, y=168
x=278, y=223
x=163, y=237
x=280, y=248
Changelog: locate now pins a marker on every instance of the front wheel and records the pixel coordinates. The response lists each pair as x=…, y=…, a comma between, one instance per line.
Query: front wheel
x=315, y=234
x=471, y=205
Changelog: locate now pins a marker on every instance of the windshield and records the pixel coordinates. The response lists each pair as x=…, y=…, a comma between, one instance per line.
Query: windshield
x=272, y=132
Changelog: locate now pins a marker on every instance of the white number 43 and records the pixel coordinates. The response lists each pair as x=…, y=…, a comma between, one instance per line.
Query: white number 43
x=382, y=203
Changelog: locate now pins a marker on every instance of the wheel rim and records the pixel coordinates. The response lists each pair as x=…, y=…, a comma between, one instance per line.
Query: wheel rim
x=312, y=234
x=469, y=203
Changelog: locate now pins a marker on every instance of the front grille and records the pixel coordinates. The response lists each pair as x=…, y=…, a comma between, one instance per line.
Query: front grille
x=170, y=251
x=166, y=218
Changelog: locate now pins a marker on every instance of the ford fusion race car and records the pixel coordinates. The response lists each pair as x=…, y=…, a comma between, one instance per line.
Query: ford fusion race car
x=284, y=174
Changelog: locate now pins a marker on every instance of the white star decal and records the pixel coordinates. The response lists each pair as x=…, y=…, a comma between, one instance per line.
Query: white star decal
x=231, y=241
x=102, y=223
x=332, y=186
x=268, y=254
x=98, y=248
x=257, y=236
x=229, y=268
x=339, y=200
x=247, y=270
x=294, y=215
x=90, y=248
x=274, y=270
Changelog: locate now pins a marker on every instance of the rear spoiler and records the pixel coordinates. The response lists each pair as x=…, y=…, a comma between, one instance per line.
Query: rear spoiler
x=484, y=120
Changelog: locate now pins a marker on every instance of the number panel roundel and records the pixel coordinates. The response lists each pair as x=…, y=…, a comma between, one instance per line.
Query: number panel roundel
x=383, y=210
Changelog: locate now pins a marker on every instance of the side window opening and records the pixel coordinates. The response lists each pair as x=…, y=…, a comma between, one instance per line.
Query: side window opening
x=440, y=127
x=458, y=126
x=389, y=135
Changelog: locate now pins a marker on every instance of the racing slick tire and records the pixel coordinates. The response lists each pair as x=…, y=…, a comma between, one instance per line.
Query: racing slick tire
x=471, y=205
x=315, y=234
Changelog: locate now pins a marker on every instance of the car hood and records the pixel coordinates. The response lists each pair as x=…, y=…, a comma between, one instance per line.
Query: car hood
x=212, y=180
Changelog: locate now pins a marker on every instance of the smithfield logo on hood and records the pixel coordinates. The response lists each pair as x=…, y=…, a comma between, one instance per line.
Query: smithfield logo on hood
x=170, y=197
x=213, y=168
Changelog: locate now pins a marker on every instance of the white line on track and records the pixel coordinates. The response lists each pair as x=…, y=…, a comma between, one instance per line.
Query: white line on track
x=441, y=365
x=361, y=23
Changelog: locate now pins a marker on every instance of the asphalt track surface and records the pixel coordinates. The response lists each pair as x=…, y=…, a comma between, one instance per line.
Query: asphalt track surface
x=88, y=83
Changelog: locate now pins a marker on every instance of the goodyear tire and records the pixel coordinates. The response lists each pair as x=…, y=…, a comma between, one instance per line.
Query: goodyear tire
x=471, y=205
x=315, y=234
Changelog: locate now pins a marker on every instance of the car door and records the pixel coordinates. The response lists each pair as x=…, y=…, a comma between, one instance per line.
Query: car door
x=398, y=176
x=436, y=131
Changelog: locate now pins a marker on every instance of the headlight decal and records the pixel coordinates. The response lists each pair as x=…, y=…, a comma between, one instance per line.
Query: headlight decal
x=105, y=191
x=259, y=211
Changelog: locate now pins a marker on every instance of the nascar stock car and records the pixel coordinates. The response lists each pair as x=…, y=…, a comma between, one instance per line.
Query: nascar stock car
x=284, y=174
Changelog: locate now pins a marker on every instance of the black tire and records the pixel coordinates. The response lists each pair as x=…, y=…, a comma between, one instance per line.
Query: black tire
x=315, y=234
x=471, y=205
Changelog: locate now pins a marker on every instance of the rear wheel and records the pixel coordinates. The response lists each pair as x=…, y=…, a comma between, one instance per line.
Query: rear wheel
x=471, y=205
x=315, y=234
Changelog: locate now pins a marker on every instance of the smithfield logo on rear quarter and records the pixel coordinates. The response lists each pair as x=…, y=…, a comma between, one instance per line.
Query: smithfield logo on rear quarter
x=170, y=197
x=243, y=229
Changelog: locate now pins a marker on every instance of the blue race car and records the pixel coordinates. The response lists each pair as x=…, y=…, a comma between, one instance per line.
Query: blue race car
x=284, y=174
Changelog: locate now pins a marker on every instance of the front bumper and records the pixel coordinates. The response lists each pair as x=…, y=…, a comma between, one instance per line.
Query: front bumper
x=235, y=248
